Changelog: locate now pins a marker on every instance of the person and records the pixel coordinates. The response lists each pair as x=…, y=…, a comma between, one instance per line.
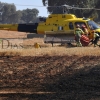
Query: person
x=86, y=32
x=78, y=33
x=95, y=38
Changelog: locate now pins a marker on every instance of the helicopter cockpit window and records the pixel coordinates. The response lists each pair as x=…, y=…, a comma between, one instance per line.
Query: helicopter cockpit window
x=71, y=26
x=93, y=25
x=80, y=24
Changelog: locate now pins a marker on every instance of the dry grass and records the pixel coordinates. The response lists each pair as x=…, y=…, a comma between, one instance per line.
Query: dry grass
x=12, y=34
x=46, y=49
x=10, y=53
x=61, y=51
x=52, y=51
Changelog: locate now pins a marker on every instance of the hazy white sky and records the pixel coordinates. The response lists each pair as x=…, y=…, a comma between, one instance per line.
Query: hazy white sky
x=32, y=3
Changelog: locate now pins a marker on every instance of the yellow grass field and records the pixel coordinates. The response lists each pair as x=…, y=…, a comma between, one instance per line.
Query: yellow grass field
x=46, y=49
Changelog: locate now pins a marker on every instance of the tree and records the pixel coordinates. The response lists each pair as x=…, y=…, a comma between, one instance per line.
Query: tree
x=75, y=3
x=15, y=17
x=1, y=6
x=7, y=11
x=8, y=14
x=28, y=15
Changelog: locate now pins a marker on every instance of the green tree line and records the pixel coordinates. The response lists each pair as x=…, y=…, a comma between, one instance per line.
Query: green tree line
x=9, y=14
x=75, y=3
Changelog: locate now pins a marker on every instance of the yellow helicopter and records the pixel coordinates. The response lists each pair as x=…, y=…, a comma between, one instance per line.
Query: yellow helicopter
x=57, y=28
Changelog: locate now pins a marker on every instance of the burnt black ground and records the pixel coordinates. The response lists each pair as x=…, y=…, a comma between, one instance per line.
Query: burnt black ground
x=65, y=77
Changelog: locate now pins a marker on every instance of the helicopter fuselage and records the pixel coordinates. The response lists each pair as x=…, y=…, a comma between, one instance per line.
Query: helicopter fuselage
x=55, y=25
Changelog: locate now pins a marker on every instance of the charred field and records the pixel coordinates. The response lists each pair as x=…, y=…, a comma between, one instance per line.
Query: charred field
x=50, y=78
x=49, y=73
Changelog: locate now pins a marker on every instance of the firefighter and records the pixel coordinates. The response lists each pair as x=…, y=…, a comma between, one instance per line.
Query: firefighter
x=85, y=30
x=95, y=38
x=78, y=33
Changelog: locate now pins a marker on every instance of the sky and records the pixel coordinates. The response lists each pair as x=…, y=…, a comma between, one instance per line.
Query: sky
x=24, y=4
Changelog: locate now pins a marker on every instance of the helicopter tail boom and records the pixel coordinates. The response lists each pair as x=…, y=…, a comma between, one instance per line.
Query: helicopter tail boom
x=31, y=27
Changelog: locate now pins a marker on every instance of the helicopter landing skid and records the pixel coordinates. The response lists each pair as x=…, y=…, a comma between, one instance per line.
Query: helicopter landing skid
x=59, y=38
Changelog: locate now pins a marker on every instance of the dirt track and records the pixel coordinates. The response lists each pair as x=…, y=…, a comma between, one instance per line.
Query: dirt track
x=50, y=78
